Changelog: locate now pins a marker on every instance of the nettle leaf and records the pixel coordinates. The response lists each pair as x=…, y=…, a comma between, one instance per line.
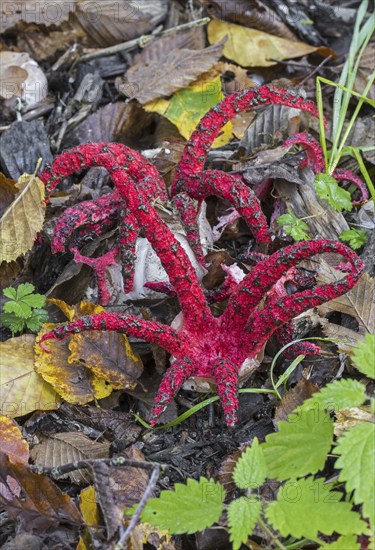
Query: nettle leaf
x=328, y=189
x=357, y=465
x=20, y=309
x=300, y=446
x=340, y=394
x=355, y=237
x=363, y=356
x=189, y=508
x=294, y=227
x=347, y=542
x=243, y=514
x=308, y=506
x=251, y=468
x=38, y=317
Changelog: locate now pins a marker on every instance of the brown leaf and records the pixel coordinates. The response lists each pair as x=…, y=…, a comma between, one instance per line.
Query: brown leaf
x=119, y=488
x=347, y=339
x=11, y=441
x=294, y=398
x=39, y=12
x=174, y=70
x=8, y=191
x=192, y=39
x=34, y=498
x=66, y=447
x=254, y=15
x=358, y=302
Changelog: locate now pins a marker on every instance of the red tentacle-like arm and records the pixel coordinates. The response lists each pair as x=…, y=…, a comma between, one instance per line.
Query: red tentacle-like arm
x=151, y=331
x=261, y=322
x=195, y=153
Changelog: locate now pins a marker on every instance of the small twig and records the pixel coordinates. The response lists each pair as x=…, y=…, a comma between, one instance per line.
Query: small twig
x=117, y=461
x=142, y=41
x=273, y=537
x=142, y=503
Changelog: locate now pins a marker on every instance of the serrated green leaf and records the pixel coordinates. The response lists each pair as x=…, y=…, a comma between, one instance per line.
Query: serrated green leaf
x=38, y=317
x=10, y=292
x=294, y=227
x=357, y=464
x=22, y=310
x=340, y=394
x=364, y=356
x=300, y=446
x=328, y=189
x=355, y=237
x=189, y=508
x=24, y=289
x=308, y=506
x=251, y=469
x=243, y=514
x=11, y=321
x=35, y=300
x=347, y=542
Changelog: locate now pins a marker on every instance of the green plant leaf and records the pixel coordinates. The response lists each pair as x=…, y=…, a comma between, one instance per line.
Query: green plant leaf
x=364, y=356
x=38, y=317
x=355, y=237
x=22, y=310
x=357, y=465
x=187, y=509
x=328, y=189
x=35, y=300
x=347, y=542
x=10, y=292
x=11, y=321
x=251, y=469
x=294, y=227
x=243, y=514
x=300, y=446
x=308, y=506
x=338, y=395
x=24, y=289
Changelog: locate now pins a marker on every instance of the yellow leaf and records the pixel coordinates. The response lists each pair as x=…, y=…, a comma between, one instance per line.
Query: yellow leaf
x=91, y=514
x=252, y=48
x=187, y=106
x=12, y=442
x=22, y=390
x=23, y=219
x=73, y=382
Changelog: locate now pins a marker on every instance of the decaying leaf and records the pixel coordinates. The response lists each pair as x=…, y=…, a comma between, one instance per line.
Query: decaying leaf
x=22, y=390
x=347, y=418
x=187, y=106
x=174, y=70
x=295, y=397
x=147, y=534
x=73, y=382
x=358, y=302
x=39, y=12
x=12, y=442
x=34, y=498
x=62, y=448
x=23, y=219
x=119, y=488
x=252, y=48
x=21, y=76
x=91, y=514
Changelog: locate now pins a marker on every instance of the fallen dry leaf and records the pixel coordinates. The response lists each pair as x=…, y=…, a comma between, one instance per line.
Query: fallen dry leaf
x=22, y=390
x=187, y=106
x=23, y=219
x=34, y=498
x=73, y=382
x=12, y=442
x=39, y=12
x=119, y=488
x=174, y=70
x=91, y=514
x=21, y=76
x=252, y=48
x=294, y=397
x=348, y=418
x=66, y=447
